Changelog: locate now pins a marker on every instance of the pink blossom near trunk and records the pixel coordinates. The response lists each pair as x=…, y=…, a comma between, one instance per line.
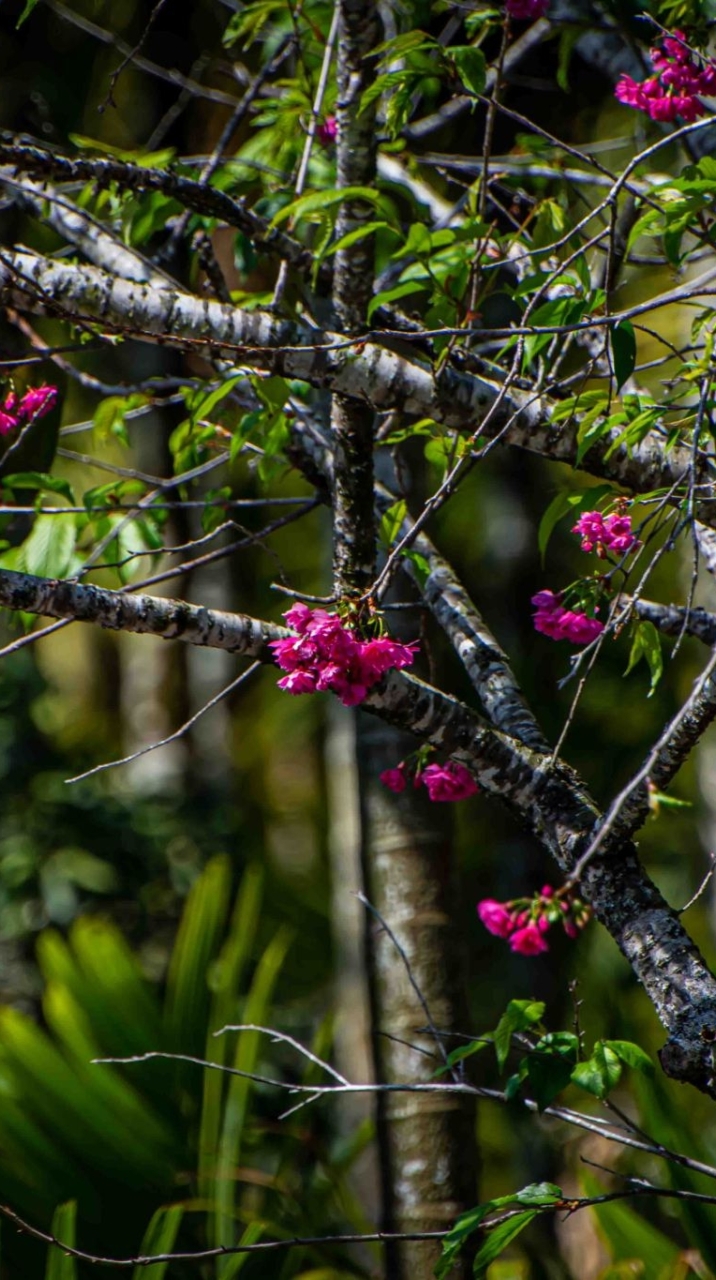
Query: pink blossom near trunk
x=526, y=10
x=528, y=941
x=326, y=655
x=448, y=782
x=495, y=917
x=676, y=88
x=394, y=779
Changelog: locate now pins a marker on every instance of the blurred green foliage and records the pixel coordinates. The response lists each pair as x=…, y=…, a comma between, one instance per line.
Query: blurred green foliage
x=97, y=875
x=196, y=1148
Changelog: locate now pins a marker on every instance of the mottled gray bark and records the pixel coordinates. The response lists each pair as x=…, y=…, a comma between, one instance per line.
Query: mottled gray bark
x=367, y=372
x=145, y=615
x=197, y=196
x=548, y=799
x=426, y=1143
x=352, y=423
x=430, y=1143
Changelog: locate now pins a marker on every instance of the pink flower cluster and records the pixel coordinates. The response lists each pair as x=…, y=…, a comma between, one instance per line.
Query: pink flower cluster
x=17, y=412
x=325, y=654
x=602, y=534
x=444, y=782
x=526, y=10
x=553, y=620
x=327, y=131
x=675, y=89
x=525, y=921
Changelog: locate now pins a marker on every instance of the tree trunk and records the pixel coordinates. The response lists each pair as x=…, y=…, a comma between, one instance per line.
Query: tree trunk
x=428, y=1146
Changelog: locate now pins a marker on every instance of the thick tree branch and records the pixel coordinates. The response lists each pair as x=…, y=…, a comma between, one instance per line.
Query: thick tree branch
x=88, y=235
x=366, y=371
x=481, y=654
x=197, y=196
x=142, y=614
x=352, y=423
x=549, y=800
x=673, y=619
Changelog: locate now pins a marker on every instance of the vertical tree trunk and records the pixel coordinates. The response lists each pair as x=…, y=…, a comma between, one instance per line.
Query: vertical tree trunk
x=426, y=1145
x=428, y=1142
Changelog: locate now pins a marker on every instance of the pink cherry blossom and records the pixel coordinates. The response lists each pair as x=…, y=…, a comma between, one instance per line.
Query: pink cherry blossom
x=552, y=620
x=16, y=413
x=448, y=782
x=394, y=779
x=602, y=534
x=298, y=682
x=526, y=10
x=326, y=654
x=528, y=941
x=674, y=91
x=327, y=131
x=37, y=402
x=495, y=917
x=381, y=655
x=618, y=533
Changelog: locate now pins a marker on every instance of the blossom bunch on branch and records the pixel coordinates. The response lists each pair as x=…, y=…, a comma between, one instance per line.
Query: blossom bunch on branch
x=553, y=620
x=676, y=87
x=443, y=782
x=606, y=533
x=526, y=10
x=17, y=411
x=525, y=921
x=326, y=654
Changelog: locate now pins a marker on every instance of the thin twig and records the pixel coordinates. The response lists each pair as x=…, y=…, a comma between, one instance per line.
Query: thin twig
x=178, y=733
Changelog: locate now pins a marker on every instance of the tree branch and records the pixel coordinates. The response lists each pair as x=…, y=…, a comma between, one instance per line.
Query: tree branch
x=365, y=371
x=141, y=614
x=549, y=800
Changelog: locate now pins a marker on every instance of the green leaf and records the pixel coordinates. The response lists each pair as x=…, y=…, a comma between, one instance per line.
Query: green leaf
x=353, y=237
x=498, y=1240
x=39, y=480
x=198, y=940
x=50, y=548
x=623, y=340
x=647, y=644
x=519, y=1015
x=391, y=295
x=600, y=1073
x=391, y=522
x=420, y=566
x=465, y=1226
x=460, y=1054
x=61, y=1266
x=273, y=391
x=225, y=982
x=319, y=201
x=591, y=429
x=29, y=6
x=418, y=241
x=201, y=406
x=567, y=41
x=399, y=46
x=159, y=1237
x=539, y=1193
x=403, y=81
x=558, y=507
x=471, y=67
x=629, y=1236
x=237, y=1099
x=632, y=1055
x=546, y=1076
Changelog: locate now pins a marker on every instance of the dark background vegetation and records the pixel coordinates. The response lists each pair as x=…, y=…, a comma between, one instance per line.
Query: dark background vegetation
x=249, y=784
